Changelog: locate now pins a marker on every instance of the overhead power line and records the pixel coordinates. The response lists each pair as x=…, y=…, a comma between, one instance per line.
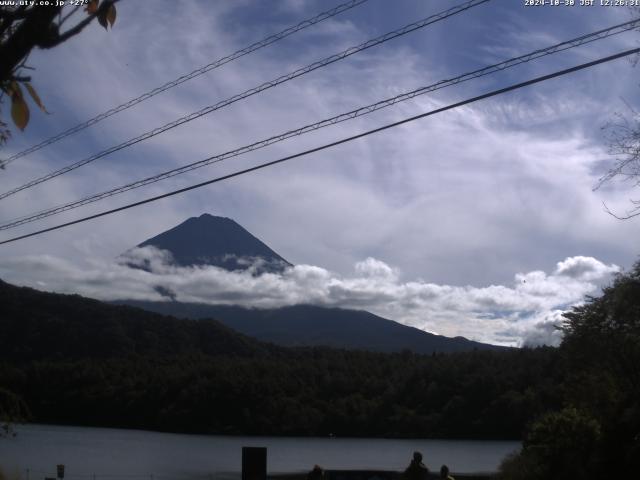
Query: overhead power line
x=184, y=78
x=333, y=144
x=265, y=86
x=573, y=43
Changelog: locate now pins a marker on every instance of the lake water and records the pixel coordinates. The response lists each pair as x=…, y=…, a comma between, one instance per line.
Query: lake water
x=115, y=454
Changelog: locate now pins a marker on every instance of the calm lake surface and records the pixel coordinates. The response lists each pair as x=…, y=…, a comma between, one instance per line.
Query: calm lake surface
x=113, y=454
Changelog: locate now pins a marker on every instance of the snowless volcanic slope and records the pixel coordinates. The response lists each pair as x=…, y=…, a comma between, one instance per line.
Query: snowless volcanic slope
x=217, y=241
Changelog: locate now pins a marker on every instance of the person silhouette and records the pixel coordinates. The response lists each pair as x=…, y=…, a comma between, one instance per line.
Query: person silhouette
x=444, y=473
x=316, y=474
x=416, y=469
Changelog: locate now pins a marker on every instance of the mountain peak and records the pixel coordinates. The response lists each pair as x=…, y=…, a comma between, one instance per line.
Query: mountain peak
x=208, y=216
x=217, y=241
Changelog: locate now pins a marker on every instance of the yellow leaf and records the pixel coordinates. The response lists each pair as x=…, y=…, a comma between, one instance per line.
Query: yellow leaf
x=111, y=15
x=19, y=111
x=36, y=97
x=92, y=7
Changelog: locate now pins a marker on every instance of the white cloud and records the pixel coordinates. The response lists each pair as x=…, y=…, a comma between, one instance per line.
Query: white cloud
x=375, y=269
x=583, y=268
x=520, y=313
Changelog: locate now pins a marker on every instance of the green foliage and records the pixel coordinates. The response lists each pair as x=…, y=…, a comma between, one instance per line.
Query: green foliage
x=565, y=431
x=559, y=445
x=564, y=443
x=606, y=330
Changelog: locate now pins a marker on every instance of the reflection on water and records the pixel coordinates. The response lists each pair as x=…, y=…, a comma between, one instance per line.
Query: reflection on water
x=115, y=454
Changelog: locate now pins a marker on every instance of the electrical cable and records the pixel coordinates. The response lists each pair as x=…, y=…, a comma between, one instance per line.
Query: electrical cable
x=265, y=86
x=332, y=144
x=573, y=43
x=184, y=78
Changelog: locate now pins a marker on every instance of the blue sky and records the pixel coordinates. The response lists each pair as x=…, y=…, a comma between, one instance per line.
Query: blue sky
x=438, y=224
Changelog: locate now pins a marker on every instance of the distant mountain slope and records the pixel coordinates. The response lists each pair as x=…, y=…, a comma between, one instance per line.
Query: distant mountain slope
x=39, y=325
x=307, y=325
x=218, y=241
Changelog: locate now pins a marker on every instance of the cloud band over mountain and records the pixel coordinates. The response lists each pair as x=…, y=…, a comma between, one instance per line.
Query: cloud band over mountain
x=524, y=312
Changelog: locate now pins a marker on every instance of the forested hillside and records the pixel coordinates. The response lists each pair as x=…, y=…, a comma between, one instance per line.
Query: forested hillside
x=79, y=361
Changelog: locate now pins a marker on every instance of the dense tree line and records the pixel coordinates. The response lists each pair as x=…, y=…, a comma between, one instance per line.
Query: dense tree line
x=79, y=361
x=314, y=392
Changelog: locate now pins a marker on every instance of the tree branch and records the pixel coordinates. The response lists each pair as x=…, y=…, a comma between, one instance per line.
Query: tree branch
x=625, y=217
x=36, y=26
x=66, y=17
x=81, y=26
x=39, y=29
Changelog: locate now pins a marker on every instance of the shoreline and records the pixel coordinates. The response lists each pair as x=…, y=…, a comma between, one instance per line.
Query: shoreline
x=268, y=436
x=330, y=474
